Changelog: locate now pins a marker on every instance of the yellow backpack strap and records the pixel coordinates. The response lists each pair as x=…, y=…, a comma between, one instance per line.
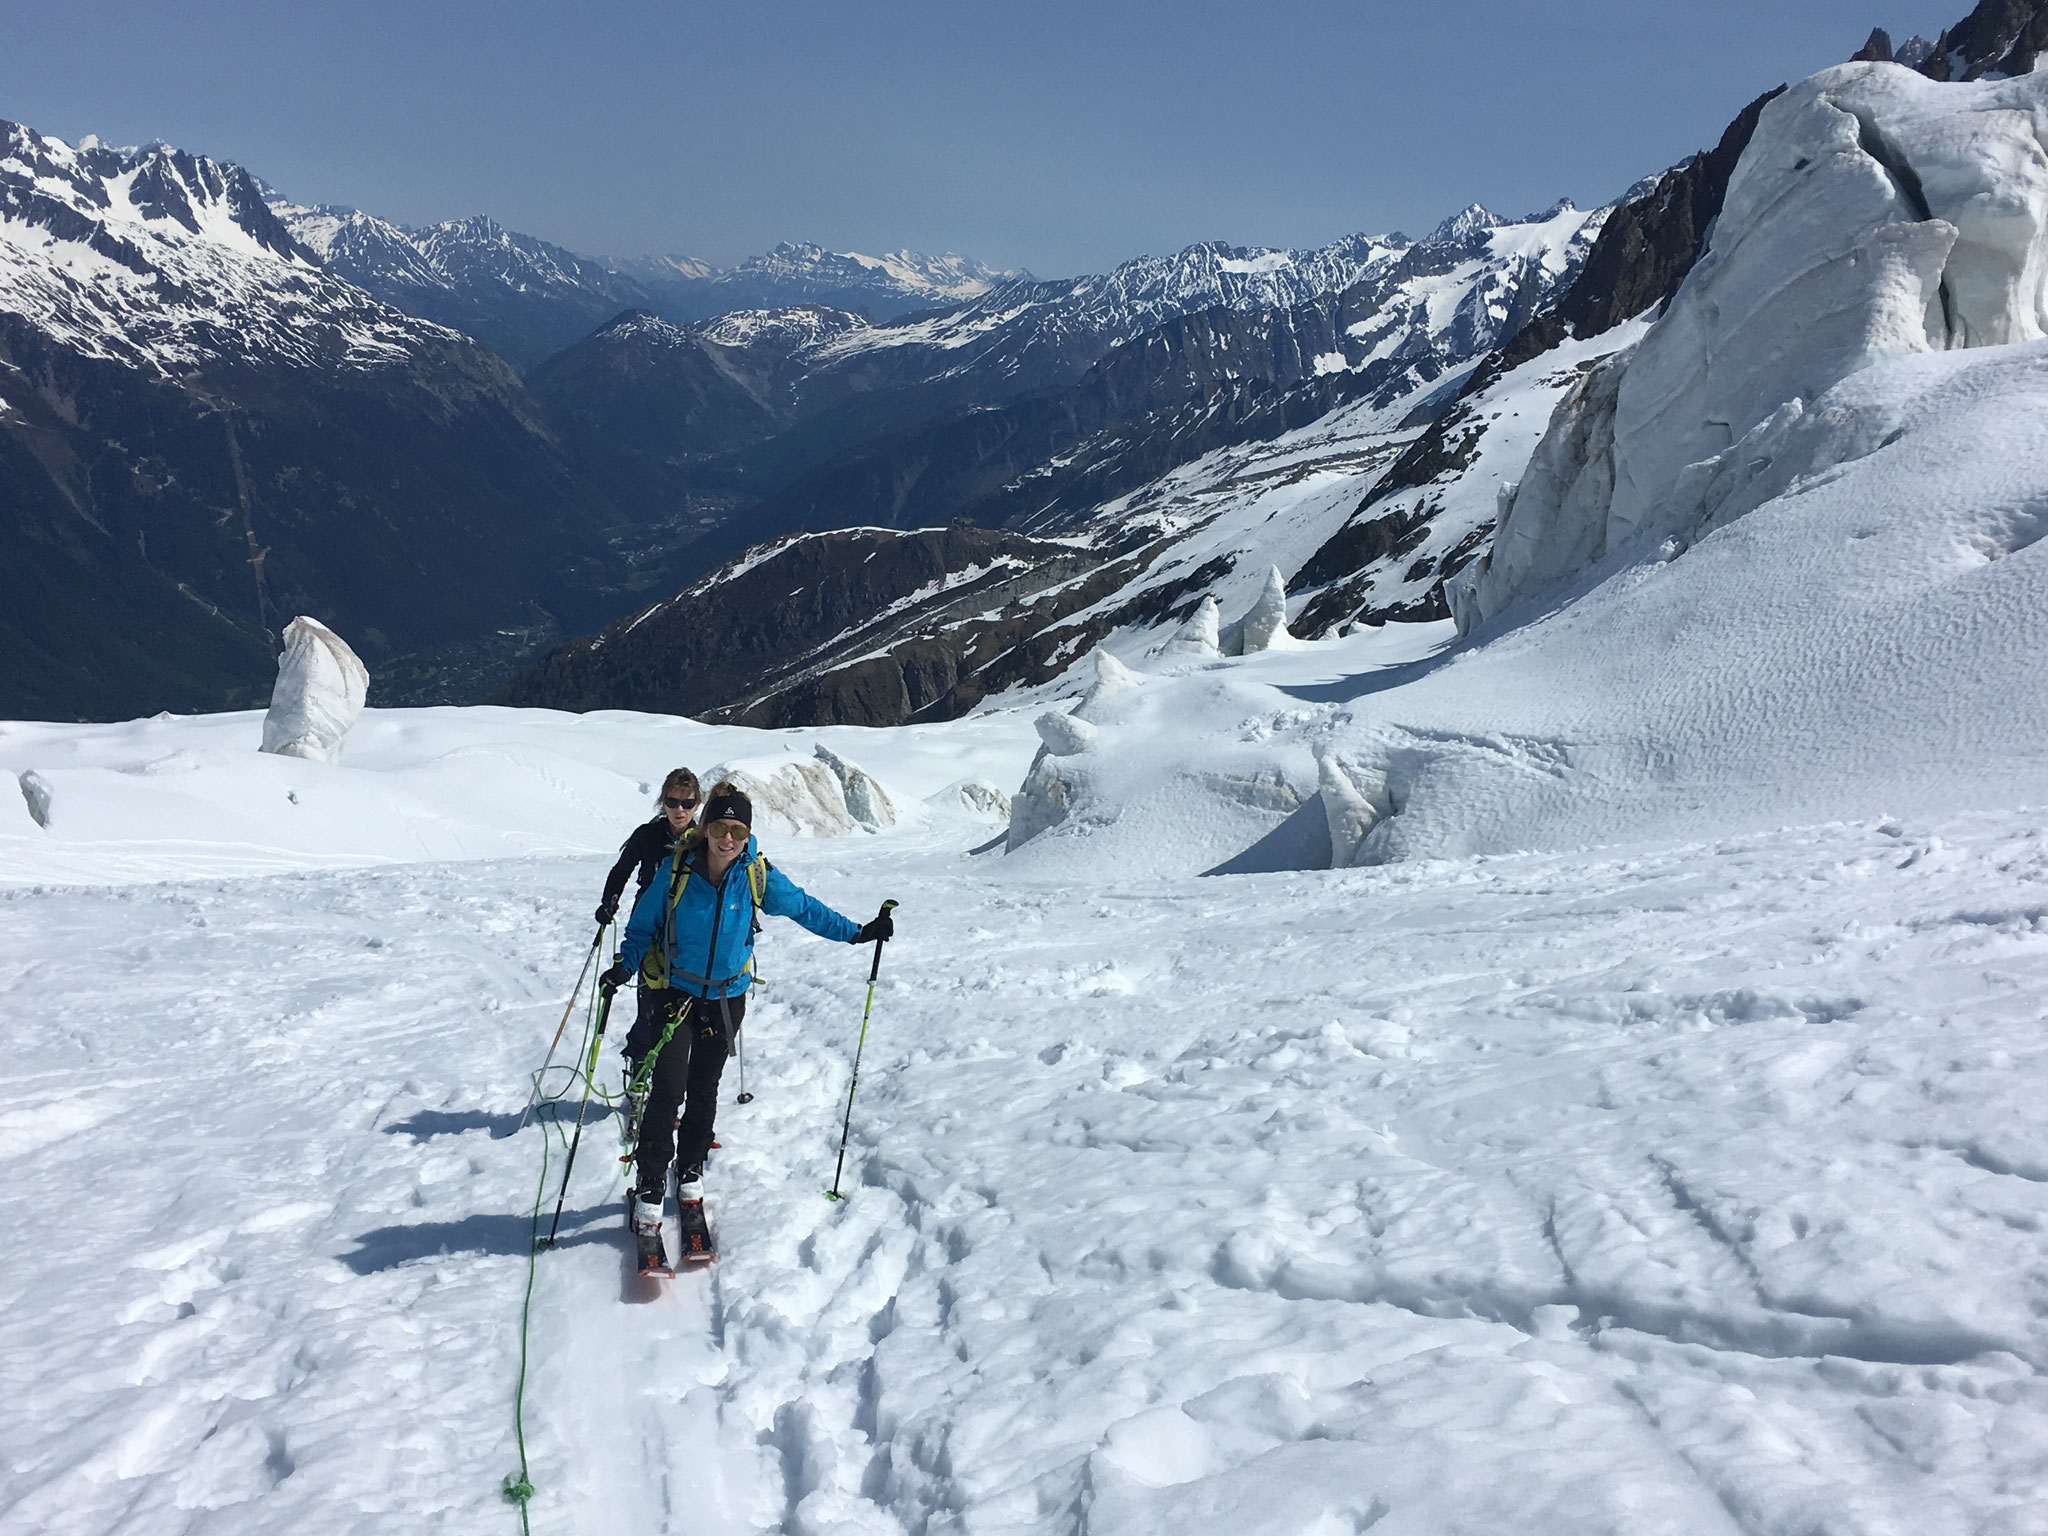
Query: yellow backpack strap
x=757, y=879
x=654, y=965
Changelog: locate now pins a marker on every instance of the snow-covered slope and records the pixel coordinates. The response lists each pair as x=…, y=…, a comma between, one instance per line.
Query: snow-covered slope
x=1691, y=1188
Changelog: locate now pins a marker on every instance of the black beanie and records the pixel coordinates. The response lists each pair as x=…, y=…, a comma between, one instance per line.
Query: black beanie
x=730, y=806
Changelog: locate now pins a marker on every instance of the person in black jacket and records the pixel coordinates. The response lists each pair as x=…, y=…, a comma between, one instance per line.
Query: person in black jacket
x=650, y=843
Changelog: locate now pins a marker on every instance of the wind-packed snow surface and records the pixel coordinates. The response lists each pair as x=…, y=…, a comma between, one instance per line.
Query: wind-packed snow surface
x=1691, y=1186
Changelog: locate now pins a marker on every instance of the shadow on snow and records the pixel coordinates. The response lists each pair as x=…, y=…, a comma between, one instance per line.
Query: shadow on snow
x=429, y=1123
x=506, y=1236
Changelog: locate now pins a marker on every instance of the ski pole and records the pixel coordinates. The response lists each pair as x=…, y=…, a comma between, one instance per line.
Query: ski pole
x=568, y=1008
x=604, y=1008
x=873, y=971
x=733, y=1047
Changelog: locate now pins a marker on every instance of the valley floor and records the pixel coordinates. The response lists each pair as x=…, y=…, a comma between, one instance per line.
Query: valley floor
x=1687, y=1189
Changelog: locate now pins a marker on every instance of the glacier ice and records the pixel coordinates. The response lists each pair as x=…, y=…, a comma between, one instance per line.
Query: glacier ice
x=1201, y=635
x=1875, y=214
x=321, y=685
x=1264, y=626
x=866, y=801
x=1064, y=735
x=1041, y=801
x=976, y=796
x=1354, y=802
x=793, y=796
x=36, y=791
x=1112, y=677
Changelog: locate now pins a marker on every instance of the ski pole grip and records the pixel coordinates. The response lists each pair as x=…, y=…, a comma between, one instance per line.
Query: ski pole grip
x=875, y=970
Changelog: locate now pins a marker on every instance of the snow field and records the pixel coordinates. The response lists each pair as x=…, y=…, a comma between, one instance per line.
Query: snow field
x=1682, y=1188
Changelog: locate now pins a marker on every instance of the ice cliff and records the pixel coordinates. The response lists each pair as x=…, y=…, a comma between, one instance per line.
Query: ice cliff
x=1876, y=214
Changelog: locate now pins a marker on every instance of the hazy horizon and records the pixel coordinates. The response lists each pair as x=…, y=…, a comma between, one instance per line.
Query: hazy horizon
x=1062, y=140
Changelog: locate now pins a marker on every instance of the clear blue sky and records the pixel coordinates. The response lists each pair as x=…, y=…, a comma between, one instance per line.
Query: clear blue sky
x=1054, y=135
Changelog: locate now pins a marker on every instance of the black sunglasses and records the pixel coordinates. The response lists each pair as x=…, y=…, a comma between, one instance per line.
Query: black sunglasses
x=678, y=805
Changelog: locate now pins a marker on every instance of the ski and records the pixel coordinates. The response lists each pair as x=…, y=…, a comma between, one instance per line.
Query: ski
x=653, y=1257
x=698, y=1247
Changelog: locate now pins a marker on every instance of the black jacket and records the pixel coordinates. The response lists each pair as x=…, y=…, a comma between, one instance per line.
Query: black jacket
x=647, y=847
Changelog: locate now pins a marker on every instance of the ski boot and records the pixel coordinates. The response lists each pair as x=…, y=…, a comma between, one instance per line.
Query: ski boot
x=646, y=1217
x=698, y=1247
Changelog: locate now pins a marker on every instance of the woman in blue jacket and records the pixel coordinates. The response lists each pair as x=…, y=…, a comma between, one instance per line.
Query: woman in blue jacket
x=691, y=939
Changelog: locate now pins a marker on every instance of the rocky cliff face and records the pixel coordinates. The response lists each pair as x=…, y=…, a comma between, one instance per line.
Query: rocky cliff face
x=841, y=626
x=203, y=432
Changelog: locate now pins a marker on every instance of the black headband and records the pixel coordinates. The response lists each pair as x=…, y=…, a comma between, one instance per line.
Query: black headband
x=731, y=806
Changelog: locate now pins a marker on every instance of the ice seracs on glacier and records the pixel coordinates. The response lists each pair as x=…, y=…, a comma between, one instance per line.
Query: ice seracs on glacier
x=1875, y=214
x=1264, y=626
x=321, y=686
x=1201, y=636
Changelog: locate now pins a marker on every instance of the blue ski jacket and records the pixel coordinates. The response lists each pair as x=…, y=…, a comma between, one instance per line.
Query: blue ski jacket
x=703, y=944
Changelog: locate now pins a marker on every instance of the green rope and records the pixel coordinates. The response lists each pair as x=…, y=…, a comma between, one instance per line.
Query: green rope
x=580, y=1069
x=644, y=1074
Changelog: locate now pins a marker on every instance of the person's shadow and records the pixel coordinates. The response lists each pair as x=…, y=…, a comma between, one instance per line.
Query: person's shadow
x=495, y=1235
x=429, y=1123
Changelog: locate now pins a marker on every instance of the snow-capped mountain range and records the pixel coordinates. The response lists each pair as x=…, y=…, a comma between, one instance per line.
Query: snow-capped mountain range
x=169, y=262
x=1043, y=408
x=884, y=287
x=522, y=297
x=1386, y=507
x=1122, y=413
x=527, y=298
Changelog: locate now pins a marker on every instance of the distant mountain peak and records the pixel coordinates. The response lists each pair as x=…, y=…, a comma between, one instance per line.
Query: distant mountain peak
x=1474, y=219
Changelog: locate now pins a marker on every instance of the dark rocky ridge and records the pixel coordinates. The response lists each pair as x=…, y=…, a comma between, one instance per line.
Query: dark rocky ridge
x=1999, y=37
x=778, y=623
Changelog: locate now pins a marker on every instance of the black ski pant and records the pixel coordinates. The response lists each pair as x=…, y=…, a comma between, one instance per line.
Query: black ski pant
x=686, y=1074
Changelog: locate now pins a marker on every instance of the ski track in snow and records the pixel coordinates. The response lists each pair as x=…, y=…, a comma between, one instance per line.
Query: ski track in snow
x=1688, y=1189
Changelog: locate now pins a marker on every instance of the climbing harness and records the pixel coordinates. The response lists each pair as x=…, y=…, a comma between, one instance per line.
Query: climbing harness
x=656, y=964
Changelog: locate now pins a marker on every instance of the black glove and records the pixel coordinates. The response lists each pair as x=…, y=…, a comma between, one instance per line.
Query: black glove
x=606, y=911
x=883, y=928
x=615, y=978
